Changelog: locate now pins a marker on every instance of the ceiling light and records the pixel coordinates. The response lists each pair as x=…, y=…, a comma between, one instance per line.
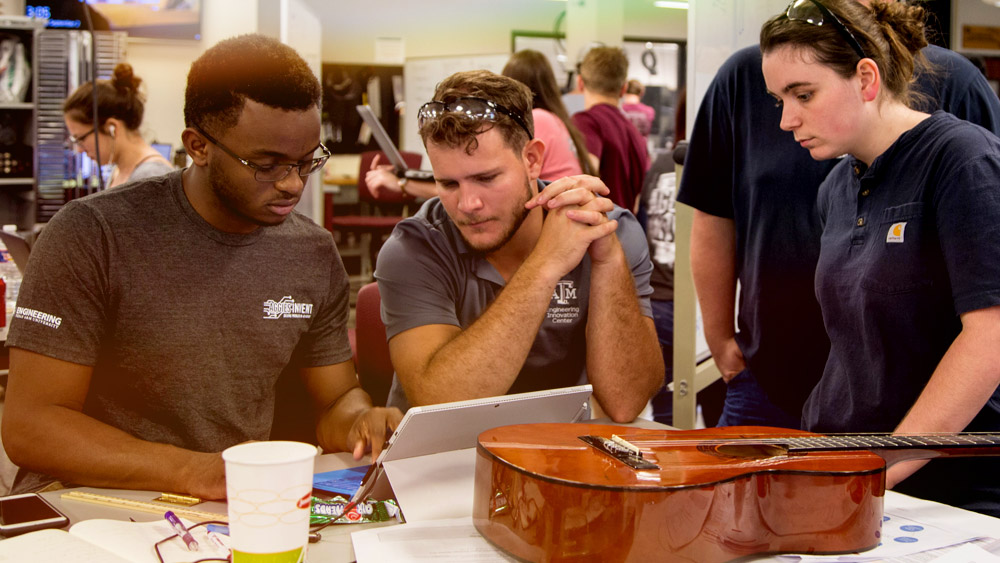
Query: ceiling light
x=676, y=4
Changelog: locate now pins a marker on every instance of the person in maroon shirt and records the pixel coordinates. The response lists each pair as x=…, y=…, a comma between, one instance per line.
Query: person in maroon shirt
x=611, y=137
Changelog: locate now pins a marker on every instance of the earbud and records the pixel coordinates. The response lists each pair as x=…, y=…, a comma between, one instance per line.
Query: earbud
x=111, y=131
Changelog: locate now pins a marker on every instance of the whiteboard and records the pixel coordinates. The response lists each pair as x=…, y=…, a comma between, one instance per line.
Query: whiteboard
x=422, y=75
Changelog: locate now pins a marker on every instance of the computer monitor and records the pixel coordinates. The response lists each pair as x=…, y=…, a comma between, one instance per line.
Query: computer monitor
x=164, y=149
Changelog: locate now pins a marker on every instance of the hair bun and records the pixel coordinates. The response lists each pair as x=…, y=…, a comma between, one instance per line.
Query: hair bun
x=124, y=79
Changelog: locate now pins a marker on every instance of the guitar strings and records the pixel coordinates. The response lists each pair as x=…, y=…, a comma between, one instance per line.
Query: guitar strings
x=963, y=439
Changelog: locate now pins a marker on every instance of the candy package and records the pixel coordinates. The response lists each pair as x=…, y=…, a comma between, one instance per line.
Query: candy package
x=329, y=511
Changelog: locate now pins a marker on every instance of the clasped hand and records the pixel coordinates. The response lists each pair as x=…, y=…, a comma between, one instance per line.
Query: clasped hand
x=576, y=222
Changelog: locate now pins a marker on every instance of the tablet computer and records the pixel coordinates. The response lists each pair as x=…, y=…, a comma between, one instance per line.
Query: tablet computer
x=443, y=427
x=390, y=150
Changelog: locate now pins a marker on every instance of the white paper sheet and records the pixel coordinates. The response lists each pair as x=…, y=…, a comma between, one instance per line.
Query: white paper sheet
x=434, y=487
x=968, y=553
x=45, y=546
x=442, y=541
x=916, y=530
x=134, y=540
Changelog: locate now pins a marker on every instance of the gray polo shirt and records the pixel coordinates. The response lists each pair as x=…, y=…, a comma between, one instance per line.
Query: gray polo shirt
x=427, y=275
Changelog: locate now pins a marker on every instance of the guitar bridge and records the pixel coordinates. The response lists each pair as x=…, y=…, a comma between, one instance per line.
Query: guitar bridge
x=630, y=456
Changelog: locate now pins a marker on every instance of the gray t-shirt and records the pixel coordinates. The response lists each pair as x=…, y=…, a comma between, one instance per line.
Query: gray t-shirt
x=426, y=275
x=150, y=169
x=187, y=327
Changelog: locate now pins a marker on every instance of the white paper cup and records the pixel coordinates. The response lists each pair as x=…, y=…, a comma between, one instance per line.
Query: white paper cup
x=269, y=487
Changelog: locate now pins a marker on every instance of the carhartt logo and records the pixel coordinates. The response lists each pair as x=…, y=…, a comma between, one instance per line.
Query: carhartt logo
x=287, y=308
x=896, y=232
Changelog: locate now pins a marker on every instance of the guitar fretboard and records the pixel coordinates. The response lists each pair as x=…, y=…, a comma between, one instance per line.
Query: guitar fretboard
x=890, y=441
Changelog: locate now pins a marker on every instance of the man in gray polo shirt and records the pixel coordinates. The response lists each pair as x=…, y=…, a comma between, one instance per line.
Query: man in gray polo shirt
x=502, y=285
x=155, y=318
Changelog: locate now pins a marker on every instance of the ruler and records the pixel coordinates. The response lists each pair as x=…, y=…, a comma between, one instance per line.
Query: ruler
x=144, y=506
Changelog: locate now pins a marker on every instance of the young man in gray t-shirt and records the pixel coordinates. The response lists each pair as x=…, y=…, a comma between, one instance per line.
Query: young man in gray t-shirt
x=154, y=319
x=491, y=289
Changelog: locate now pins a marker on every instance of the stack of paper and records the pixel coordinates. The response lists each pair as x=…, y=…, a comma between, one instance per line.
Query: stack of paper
x=108, y=541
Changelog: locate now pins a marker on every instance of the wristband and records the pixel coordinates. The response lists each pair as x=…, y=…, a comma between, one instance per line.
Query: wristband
x=402, y=184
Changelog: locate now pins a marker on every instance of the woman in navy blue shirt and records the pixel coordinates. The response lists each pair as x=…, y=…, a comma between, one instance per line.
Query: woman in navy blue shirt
x=908, y=277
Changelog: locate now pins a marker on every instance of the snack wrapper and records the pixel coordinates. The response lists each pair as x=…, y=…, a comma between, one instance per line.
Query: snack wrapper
x=329, y=511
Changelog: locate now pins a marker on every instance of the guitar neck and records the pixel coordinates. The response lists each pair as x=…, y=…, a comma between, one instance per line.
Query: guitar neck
x=941, y=444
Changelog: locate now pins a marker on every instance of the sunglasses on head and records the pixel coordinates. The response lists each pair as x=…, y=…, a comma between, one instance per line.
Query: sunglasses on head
x=469, y=107
x=812, y=12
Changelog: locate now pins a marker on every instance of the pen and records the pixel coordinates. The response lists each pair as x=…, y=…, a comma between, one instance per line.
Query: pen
x=181, y=530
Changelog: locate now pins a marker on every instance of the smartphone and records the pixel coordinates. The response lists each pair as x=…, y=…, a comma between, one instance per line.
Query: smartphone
x=28, y=512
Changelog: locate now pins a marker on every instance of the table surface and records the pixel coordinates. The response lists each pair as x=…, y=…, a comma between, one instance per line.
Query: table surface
x=335, y=545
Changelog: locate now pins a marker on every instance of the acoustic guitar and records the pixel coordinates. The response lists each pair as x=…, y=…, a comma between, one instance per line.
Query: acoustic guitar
x=590, y=492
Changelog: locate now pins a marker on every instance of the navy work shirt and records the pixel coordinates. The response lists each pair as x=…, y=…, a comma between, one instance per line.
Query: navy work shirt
x=741, y=165
x=908, y=245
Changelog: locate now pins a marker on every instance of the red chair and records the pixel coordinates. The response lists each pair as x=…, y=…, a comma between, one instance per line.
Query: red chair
x=383, y=212
x=371, y=351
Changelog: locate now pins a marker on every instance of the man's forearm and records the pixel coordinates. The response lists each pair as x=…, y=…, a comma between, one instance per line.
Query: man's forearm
x=485, y=359
x=713, y=268
x=76, y=448
x=962, y=383
x=334, y=423
x=624, y=363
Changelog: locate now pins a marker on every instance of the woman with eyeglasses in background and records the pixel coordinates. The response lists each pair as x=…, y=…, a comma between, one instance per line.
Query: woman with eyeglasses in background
x=120, y=107
x=908, y=277
x=565, y=150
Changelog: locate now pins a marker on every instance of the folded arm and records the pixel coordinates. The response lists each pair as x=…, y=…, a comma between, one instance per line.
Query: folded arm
x=623, y=383
x=442, y=363
x=45, y=430
x=963, y=382
x=624, y=362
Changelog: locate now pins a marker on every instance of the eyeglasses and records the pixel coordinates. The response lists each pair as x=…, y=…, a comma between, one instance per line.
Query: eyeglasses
x=156, y=546
x=469, y=107
x=811, y=11
x=74, y=140
x=276, y=172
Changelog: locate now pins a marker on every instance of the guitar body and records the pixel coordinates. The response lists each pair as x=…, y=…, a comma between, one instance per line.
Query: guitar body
x=543, y=494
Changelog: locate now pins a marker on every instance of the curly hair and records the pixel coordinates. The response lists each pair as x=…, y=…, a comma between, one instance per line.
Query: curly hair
x=247, y=67
x=453, y=131
x=118, y=97
x=891, y=34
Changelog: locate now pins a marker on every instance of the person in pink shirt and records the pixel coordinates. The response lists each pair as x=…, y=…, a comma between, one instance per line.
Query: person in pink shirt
x=641, y=115
x=565, y=148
